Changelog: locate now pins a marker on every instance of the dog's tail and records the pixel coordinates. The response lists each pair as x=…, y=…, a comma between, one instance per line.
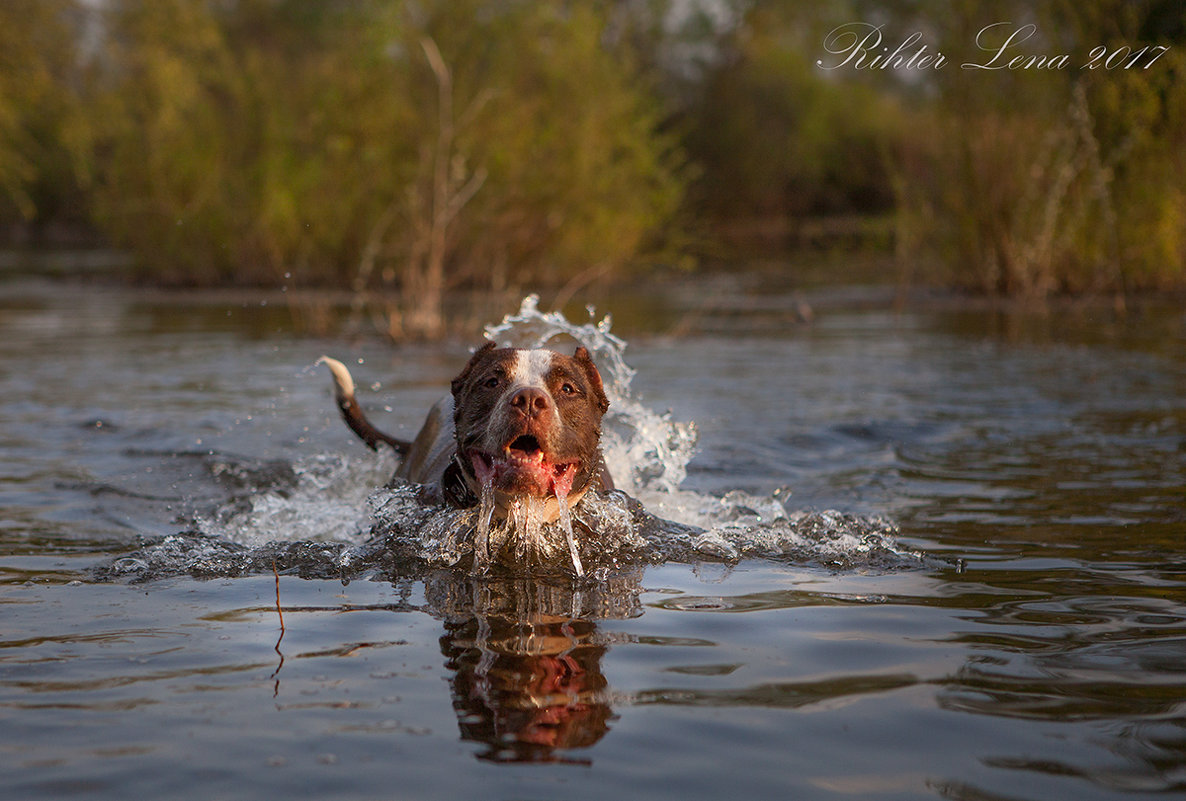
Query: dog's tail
x=352, y=412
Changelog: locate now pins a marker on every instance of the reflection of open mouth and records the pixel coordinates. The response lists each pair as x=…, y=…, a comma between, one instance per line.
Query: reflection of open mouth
x=524, y=466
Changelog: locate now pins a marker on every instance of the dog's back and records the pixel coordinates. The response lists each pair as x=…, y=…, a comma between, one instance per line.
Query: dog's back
x=434, y=447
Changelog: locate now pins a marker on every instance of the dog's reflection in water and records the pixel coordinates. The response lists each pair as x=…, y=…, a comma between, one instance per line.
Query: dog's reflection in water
x=526, y=660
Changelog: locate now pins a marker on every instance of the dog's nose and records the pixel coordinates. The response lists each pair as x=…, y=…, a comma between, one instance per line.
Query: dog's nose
x=531, y=401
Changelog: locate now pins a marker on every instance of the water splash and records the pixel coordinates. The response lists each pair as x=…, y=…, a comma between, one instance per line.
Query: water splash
x=317, y=498
x=565, y=522
x=440, y=535
x=524, y=534
x=324, y=515
x=482, y=532
x=644, y=450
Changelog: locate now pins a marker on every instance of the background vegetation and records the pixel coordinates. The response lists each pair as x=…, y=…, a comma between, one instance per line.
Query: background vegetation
x=408, y=147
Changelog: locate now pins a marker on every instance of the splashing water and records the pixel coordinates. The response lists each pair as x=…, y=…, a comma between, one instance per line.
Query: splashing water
x=644, y=451
x=332, y=520
x=443, y=536
x=319, y=498
x=647, y=455
x=566, y=524
x=525, y=533
x=482, y=532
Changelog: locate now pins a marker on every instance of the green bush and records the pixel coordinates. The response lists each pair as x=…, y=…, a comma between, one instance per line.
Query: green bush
x=403, y=148
x=1066, y=181
x=253, y=140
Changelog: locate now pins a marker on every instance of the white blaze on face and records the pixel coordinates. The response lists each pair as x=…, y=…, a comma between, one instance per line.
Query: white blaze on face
x=530, y=369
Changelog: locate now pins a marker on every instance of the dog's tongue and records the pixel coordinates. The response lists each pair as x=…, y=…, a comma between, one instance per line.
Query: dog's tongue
x=485, y=473
x=544, y=475
x=562, y=481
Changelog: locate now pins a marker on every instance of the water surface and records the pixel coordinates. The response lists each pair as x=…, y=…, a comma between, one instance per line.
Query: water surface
x=1022, y=634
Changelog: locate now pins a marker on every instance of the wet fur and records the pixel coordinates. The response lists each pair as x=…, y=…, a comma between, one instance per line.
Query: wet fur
x=500, y=395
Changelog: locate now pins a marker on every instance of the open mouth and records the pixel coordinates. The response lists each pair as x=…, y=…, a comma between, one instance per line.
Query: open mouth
x=524, y=466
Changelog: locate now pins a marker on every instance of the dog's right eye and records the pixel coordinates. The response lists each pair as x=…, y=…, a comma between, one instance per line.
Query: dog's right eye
x=492, y=382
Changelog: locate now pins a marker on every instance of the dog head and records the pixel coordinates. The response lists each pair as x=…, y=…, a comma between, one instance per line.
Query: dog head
x=528, y=423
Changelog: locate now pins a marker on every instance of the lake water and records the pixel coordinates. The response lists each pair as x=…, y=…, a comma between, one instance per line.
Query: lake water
x=941, y=553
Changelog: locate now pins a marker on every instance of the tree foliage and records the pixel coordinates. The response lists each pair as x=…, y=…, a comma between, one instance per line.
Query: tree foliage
x=247, y=140
x=1066, y=180
x=402, y=148
x=775, y=136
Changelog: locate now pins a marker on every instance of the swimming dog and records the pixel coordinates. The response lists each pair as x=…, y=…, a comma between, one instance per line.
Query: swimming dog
x=518, y=425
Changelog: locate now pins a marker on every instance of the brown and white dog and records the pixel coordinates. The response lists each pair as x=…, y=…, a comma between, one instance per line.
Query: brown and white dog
x=518, y=424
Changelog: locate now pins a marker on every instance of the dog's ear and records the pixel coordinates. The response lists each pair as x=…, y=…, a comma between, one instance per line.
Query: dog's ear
x=463, y=376
x=586, y=363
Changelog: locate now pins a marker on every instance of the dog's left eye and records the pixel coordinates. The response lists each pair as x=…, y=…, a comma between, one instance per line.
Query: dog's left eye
x=568, y=389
